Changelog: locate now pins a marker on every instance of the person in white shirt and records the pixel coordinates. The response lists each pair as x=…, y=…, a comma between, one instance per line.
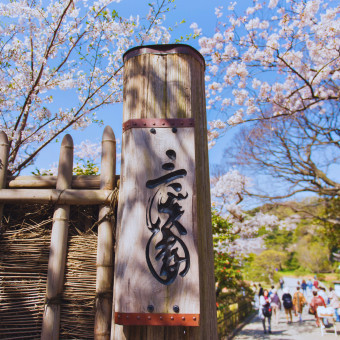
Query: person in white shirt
x=265, y=310
x=322, y=293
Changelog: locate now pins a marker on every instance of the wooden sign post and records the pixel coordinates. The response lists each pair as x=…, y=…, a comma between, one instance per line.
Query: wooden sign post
x=164, y=276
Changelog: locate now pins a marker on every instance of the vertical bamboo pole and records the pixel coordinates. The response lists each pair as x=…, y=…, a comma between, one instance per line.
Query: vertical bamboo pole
x=58, y=248
x=167, y=81
x=4, y=148
x=104, y=281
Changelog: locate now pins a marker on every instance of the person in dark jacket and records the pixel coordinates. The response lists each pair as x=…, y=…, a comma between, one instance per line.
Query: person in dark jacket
x=261, y=290
x=304, y=287
x=287, y=302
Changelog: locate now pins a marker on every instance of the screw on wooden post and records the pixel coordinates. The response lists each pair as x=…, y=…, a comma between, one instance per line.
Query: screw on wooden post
x=4, y=149
x=58, y=248
x=104, y=281
x=163, y=83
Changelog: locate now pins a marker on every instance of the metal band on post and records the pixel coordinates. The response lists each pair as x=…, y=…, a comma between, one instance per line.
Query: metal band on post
x=157, y=319
x=158, y=123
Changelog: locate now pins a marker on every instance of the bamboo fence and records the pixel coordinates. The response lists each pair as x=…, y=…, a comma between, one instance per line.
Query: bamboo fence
x=26, y=253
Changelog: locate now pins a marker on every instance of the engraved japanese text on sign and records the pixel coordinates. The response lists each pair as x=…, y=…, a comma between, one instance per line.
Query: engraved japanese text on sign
x=168, y=252
x=156, y=267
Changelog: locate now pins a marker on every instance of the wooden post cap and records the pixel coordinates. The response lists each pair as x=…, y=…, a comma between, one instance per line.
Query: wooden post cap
x=3, y=138
x=164, y=49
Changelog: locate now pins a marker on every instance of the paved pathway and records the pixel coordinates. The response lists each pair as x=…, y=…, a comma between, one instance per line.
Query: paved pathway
x=305, y=330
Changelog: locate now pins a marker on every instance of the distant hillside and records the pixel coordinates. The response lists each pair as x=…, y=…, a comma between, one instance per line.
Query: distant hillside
x=305, y=208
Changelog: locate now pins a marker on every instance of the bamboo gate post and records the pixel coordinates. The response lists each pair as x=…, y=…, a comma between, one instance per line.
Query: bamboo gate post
x=4, y=148
x=164, y=82
x=104, y=281
x=58, y=248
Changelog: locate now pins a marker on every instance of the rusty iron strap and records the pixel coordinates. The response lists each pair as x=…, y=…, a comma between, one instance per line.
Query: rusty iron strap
x=157, y=319
x=158, y=123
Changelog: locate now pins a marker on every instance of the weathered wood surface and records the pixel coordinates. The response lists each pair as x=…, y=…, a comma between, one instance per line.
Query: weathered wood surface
x=67, y=196
x=104, y=281
x=4, y=149
x=58, y=248
x=135, y=286
x=47, y=182
x=172, y=86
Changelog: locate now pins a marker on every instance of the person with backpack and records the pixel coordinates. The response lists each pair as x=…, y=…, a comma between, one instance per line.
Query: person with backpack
x=314, y=304
x=288, y=305
x=265, y=311
x=298, y=302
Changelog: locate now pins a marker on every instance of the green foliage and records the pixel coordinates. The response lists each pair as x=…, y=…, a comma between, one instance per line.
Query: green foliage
x=38, y=172
x=331, y=231
x=81, y=168
x=264, y=266
x=227, y=268
x=310, y=246
x=278, y=239
x=292, y=262
x=313, y=255
x=221, y=229
x=87, y=168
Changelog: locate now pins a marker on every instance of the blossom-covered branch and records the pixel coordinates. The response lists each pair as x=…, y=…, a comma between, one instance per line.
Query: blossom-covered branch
x=280, y=58
x=49, y=47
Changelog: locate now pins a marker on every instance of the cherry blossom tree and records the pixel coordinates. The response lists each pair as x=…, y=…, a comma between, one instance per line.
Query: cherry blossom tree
x=275, y=71
x=280, y=58
x=235, y=229
x=47, y=47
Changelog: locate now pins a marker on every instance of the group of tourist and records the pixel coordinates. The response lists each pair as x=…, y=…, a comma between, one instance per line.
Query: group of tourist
x=269, y=302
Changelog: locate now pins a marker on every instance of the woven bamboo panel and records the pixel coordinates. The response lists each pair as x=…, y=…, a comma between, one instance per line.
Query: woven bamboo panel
x=24, y=251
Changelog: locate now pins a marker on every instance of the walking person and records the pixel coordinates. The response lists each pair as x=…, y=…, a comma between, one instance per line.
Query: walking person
x=310, y=287
x=334, y=302
x=322, y=293
x=298, y=302
x=281, y=283
x=314, y=304
x=265, y=311
x=276, y=306
x=304, y=287
x=287, y=305
x=261, y=290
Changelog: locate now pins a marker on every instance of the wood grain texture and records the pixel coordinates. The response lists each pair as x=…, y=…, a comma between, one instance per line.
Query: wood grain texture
x=135, y=286
x=104, y=280
x=172, y=86
x=47, y=182
x=66, y=196
x=58, y=248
